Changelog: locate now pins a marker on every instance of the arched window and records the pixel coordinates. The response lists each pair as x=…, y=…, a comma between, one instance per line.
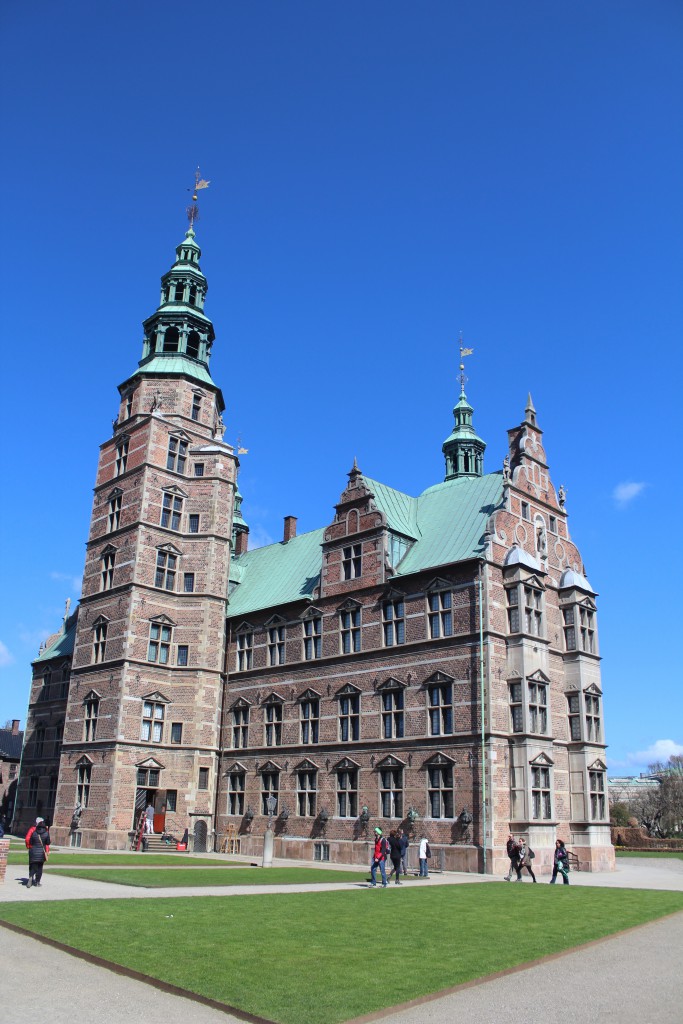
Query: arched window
x=193, y=344
x=171, y=339
x=179, y=291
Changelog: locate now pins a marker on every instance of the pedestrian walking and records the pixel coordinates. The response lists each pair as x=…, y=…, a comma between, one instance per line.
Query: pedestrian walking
x=379, y=857
x=405, y=843
x=511, y=848
x=560, y=862
x=424, y=855
x=525, y=855
x=395, y=855
x=38, y=846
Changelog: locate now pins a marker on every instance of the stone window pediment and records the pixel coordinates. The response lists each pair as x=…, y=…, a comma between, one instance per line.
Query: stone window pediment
x=156, y=697
x=392, y=594
x=542, y=761
x=306, y=766
x=244, y=627
x=391, y=684
x=241, y=702
x=538, y=677
x=174, y=489
x=438, y=760
x=390, y=762
x=108, y=550
x=269, y=766
x=347, y=690
x=438, y=583
x=170, y=549
x=115, y=492
x=349, y=605
x=181, y=434
x=589, y=605
x=273, y=698
x=276, y=620
x=309, y=694
x=150, y=762
x=346, y=764
x=437, y=677
x=162, y=620
x=594, y=690
x=84, y=761
x=91, y=695
x=236, y=766
x=311, y=613
x=597, y=766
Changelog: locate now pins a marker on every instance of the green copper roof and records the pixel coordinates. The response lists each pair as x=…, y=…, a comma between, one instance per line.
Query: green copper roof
x=61, y=645
x=446, y=523
x=175, y=364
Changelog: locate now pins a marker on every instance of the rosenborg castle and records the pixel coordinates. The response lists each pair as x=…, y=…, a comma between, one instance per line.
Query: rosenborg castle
x=427, y=661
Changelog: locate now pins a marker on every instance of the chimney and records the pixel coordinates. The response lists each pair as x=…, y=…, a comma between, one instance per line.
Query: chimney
x=241, y=540
x=290, y=528
x=15, y=726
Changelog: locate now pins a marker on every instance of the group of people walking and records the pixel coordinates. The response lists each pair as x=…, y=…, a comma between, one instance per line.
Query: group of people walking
x=522, y=855
x=395, y=848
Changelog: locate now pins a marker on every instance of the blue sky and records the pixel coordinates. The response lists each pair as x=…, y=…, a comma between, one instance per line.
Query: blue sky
x=384, y=175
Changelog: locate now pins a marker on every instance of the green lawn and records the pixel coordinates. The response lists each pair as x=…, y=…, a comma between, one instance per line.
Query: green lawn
x=677, y=854
x=162, y=878
x=322, y=958
x=120, y=859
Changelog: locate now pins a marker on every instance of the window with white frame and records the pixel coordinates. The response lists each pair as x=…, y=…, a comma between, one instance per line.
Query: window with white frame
x=538, y=707
x=597, y=794
x=83, y=785
x=394, y=622
x=440, y=696
x=440, y=613
x=276, y=645
x=107, y=569
x=273, y=723
x=270, y=787
x=440, y=790
x=167, y=564
x=307, y=793
x=159, y=647
x=393, y=705
x=91, y=710
x=540, y=793
x=240, y=726
x=516, y=707
x=349, y=717
x=245, y=650
x=310, y=719
x=152, y=728
x=312, y=628
x=99, y=645
x=391, y=792
x=171, y=511
x=177, y=455
x=349, y=623
x=122, y=456
x=236, y=782
x=352, y=561
x=347, y=792
x=114, y=514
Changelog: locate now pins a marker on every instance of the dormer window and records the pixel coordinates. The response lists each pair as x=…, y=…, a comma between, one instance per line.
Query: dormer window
x=352, y=562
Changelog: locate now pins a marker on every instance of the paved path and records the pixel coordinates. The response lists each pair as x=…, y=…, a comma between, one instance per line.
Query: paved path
x=632, y=978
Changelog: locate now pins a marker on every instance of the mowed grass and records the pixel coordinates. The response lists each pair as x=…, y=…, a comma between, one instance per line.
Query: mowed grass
x=119, y=859
x=162, y=878
x=322, y=958
x=676, y=854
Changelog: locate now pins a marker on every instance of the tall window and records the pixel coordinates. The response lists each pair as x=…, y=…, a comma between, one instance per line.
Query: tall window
x=273, y=723
x=351, y=562
x=313, y=638
x=587, y=629
x=513, y=609
x=245, y=651
x=310, y=720
x=533, y=611
x=391, y=792
x=40, y=741
x=440, y=709
x=394, y=622
x=83, y=785
x=350, y=630
x=183, y=655
x=152, y=730
x=592, y=706
x=538, y=707
x=540, y=793
x=516, y=709
x=59, y=737
x=114, y=516
x=177, y=455
x=597, y=794
x=193, y=522
x=166, y=570
x=569, y=628
x=196, y=407
x=349, y=717
x=172, y=511
x=270, y=786
x=159, y=648
x=122, y=456
x=440, y=790
x=188, y=582
x=240, y=726
x=574, y=704
x=52, y=791
x=32, y=798
x=91, y=710
x=306, y=792
x=176, y=732
x=203, y=781
x=99, y=645
x=276, y=645
x=440, y=604
x=236, y=793
x=107, y=572
x=392, y=714
x=347, y=793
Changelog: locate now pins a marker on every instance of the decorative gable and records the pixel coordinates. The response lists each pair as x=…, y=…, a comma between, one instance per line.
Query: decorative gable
x=347, y=690
x=349, y=605
x=236, y=766
x=84, y=761
x=273, y=698
x=390, y=762
x=150, y=762
x=597, y=766
x=541, y=761
x=538, y=677
x=306, y=766
x=269, y=766
x=438, y=760
x=239, y=704
x=346, y=764
x=390, y=684
x=163, y=620
x=309, y=694
x=92, y=695
x=156, y=697
x=437, y=677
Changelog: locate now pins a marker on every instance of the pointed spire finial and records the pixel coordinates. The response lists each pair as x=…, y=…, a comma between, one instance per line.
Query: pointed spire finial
x=530, y=412
x=463, y=352
x=193, y=210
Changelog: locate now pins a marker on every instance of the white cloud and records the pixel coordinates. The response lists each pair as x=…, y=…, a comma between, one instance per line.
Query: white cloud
x=74, y=582
x=34, y=637
x=6, y=656
x=259, y=538
x=661, y=750
x=625, y=493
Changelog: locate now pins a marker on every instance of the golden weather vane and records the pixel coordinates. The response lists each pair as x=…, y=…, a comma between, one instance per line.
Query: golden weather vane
x=193, y=210
x=463, y=352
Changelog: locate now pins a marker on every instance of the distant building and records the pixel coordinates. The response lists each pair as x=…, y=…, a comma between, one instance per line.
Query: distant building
x=624, y=788
x=428, y=661
x=11, y=742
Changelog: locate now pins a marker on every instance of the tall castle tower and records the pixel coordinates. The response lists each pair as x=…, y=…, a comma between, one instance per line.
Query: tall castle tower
x=143, y=713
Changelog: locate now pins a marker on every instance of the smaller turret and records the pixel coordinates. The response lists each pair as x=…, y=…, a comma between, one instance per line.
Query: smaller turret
x=463, y=448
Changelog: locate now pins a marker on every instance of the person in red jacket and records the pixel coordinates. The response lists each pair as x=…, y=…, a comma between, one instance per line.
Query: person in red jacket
x=379, y=857
x=38, y=846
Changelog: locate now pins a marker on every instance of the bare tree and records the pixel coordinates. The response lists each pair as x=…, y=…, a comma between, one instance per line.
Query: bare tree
x=670, y=775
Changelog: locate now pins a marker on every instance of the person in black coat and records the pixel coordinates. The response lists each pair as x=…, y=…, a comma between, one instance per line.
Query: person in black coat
x=560, y=862
x=38, y=846
x=395, y=855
